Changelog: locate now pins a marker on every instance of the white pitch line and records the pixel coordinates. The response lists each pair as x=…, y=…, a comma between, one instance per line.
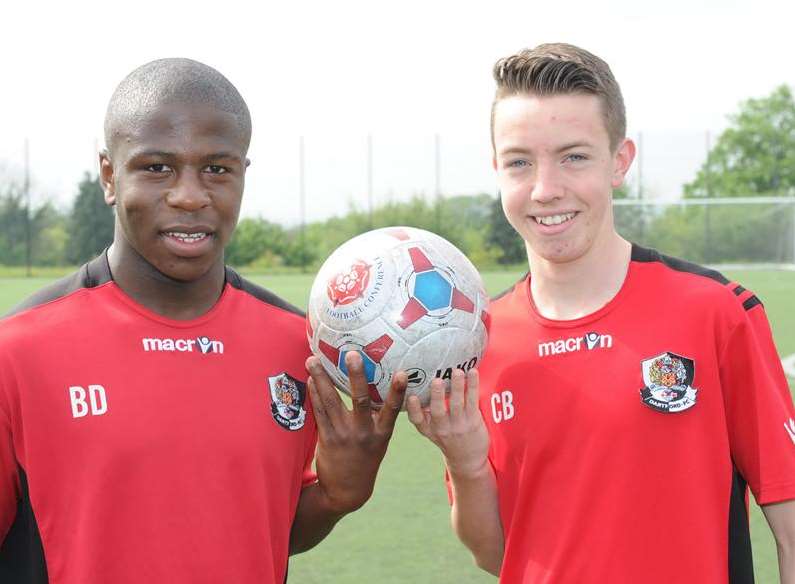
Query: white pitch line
x=789, y=365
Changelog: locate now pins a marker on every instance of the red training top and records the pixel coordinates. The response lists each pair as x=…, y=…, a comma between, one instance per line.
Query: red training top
x=143, y=449
x=623, y=441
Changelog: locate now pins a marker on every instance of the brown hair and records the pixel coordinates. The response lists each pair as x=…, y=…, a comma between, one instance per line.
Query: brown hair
x=561, y=69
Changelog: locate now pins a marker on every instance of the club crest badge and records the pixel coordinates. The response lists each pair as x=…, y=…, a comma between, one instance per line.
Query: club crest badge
x=287, y=401
x=669, y=383
x=349, y=285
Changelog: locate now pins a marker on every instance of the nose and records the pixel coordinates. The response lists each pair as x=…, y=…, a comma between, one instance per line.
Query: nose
x=189, y=192
x=546, y=187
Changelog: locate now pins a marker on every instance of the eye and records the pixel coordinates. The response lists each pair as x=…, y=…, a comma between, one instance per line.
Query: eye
x=576, y=157
x=216, y=169
x=158, y=168
x=519, y=163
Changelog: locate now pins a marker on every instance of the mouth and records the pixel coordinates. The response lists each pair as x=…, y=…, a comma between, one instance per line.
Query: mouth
x=189, y=238
x=188, y=242
x=554, y=220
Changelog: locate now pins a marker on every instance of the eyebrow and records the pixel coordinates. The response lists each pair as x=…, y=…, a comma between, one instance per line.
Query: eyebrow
x=153, y=154
x=572, y=145
x=563, y=148
x=223, y=155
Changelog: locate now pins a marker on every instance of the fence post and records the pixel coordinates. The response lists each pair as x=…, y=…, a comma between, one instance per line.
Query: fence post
x=28, y=234
x=302, y=203
x=707, y=223
x=793, y=233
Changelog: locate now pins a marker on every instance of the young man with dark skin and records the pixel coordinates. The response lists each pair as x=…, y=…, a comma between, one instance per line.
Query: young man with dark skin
x=154, y=421
x=627, y=399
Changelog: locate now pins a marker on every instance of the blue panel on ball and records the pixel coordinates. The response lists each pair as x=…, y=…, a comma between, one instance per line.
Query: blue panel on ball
x=369, y=365
x=433, y=290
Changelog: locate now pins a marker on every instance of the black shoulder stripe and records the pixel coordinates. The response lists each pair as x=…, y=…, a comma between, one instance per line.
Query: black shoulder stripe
x=260, y=293
x=738, y=290
x=642, y=254
x=90, y=275
x=509, y=290
x=751, y=302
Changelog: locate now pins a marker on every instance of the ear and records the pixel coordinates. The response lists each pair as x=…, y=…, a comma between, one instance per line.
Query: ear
x=622, y=160
x=494, y=161
x=106, y=177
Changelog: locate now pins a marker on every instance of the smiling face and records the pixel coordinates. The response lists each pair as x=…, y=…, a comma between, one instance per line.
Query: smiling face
x=556, y=172
x=176, y=178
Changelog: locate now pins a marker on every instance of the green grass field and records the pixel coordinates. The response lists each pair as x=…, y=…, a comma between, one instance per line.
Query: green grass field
x=402, y=534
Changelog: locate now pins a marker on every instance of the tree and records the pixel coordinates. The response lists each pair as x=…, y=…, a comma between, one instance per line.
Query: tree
x=90, y=222
x=252, y=239
x=13, y=219
x=755, y=155
x=503, y=237
x=47, y=230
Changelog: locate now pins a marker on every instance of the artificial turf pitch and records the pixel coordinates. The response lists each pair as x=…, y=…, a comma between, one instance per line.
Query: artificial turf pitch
x=403, y=533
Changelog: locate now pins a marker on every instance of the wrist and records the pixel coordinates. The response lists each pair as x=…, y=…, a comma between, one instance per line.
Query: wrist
x=468, y=470
x=336, y=507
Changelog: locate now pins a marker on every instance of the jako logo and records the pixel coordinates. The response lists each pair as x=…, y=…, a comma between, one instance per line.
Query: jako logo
x=202, y=344
x=589, y=340
x=465, y=366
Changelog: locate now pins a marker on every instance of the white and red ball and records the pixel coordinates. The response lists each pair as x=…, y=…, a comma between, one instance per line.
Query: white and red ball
x=405, y=299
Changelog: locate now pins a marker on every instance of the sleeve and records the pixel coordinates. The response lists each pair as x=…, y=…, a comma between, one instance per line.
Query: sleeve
x=9, y=477
x=759, y=409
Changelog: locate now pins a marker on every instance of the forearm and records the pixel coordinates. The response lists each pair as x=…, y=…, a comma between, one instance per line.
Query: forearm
x=476, y=518
x=781, y=518
x=786, y=564
x=313, y=521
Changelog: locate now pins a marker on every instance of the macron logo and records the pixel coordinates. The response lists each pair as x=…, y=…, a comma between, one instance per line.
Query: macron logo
x=588, y=341
x=204, y=345
x=789, y=426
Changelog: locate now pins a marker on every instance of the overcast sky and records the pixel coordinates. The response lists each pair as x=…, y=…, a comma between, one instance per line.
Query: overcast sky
x=404, y=71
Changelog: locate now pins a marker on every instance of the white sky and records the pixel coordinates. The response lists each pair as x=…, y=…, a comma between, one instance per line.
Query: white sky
x=403, y=71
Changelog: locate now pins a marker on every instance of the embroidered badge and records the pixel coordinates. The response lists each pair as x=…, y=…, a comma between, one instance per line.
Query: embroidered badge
x=669, y=383
x=287, y=401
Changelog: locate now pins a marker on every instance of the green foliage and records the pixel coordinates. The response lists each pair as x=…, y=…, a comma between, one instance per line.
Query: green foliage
x=621, y=192
x=502, y=237
x=462, y=220
x=13, y=219
x=253, y=238
x=755, y=155
x=47, y=231
x=50, y=236
x=90, y=222
x=731, y=234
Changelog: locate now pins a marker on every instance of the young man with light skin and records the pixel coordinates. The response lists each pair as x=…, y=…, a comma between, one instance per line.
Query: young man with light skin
x=154, y=418
x=565, y=464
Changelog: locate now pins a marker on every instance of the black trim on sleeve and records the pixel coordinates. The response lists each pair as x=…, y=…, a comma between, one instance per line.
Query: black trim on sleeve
x=642, y=254
x=741, y=561
x=260, y=293
x=751, y=302
x=21, y=553
x=511, y=289
x=90, y=275
x=738, y=290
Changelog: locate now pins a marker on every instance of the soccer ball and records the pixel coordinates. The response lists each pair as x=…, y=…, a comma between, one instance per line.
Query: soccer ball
x=404, y=299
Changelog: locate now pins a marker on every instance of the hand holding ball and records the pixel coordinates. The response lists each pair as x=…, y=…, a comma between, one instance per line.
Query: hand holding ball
x=404, y=299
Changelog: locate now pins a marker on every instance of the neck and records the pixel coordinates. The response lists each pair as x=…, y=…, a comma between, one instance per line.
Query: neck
x=161, y=294
x=574, y=289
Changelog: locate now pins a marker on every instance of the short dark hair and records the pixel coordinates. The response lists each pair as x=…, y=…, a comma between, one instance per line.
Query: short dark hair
x=166, y=81
x=562, y=69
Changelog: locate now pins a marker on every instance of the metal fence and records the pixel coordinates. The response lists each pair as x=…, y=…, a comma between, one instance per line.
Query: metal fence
x=741, y=231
